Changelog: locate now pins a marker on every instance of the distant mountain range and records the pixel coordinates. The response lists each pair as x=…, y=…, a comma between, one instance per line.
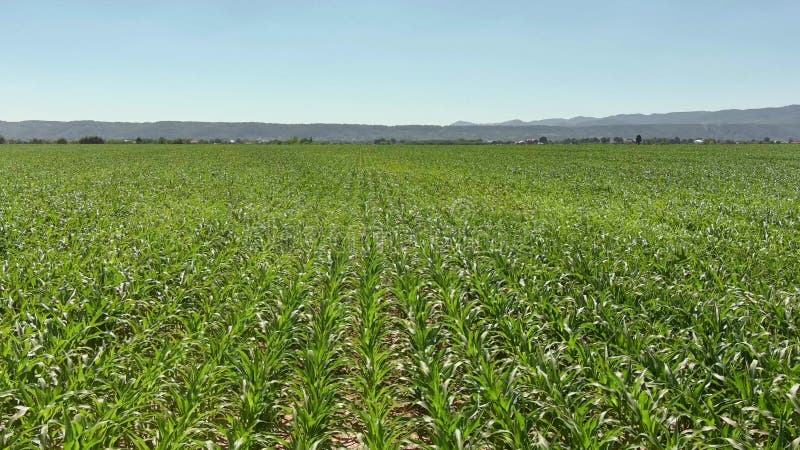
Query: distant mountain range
x=776, y=123
x=764, y=116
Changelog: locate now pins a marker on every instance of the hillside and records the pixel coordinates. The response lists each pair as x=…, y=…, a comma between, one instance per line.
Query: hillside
x=775, y=123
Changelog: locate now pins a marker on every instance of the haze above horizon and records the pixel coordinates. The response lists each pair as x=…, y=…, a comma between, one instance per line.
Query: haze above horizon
x=387, y=63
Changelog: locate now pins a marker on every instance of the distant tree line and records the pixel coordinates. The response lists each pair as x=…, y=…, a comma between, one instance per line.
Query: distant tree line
x=660, y=141
x=83, y=140
x=161, y=140
x=592, y=140
x=391, y=141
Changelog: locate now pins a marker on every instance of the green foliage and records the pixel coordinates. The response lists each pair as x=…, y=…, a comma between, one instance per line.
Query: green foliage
x=91, y=140
x=390, y=297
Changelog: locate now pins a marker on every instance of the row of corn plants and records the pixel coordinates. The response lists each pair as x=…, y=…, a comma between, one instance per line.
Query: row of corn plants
x=375, y=379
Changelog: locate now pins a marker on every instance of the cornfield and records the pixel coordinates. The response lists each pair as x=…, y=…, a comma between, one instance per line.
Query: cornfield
x=399, y=297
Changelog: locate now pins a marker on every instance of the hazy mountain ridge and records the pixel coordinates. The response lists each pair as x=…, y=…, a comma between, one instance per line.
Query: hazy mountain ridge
x=776, y=123
x=775, y=116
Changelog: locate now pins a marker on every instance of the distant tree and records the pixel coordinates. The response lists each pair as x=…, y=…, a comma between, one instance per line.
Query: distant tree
x=2, y=140
x=638, y=139
x=138, y=140
x=61, y=141
x=543, y=140
x=766, y=140
x=605, y=140
x=91, y=140
x=618, y=140
x=162, y=140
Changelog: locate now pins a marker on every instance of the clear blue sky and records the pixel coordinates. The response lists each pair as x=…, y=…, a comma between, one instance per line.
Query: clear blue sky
x=392, y=62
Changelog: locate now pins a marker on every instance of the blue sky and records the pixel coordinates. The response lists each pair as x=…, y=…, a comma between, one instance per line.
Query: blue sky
x=392, y=62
